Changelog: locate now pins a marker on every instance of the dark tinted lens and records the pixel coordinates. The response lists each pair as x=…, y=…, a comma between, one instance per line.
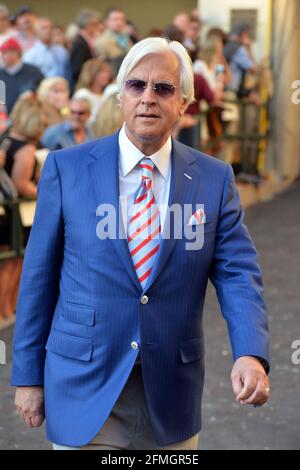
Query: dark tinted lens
x=164, y=89
x=135, y=86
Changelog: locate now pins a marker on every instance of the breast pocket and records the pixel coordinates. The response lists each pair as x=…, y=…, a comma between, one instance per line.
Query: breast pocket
x=77, y=313
x=197, y=236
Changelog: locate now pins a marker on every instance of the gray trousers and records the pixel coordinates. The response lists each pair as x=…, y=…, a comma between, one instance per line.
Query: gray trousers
x=128, y=425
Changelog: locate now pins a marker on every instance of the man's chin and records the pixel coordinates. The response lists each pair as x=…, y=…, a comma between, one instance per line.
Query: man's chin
x=145, y=135
x=149, y=132
x=148, y=137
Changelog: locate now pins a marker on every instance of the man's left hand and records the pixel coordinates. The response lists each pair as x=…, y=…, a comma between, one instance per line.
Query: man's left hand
x=250, y=382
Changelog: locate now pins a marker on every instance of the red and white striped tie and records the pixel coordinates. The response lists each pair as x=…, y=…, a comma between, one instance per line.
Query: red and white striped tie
x=144, y=225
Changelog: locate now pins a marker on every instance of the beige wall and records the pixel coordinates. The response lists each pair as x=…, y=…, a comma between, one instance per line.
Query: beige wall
x=146, y=14
x=218, y=12
x=284, y=151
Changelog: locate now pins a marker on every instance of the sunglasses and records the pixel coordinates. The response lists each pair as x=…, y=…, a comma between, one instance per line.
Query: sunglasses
x=137, y=87
x=78, y=113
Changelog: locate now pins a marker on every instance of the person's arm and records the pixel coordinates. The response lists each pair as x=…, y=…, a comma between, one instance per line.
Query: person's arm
x=238, y=282
x=2, y=158
x=38, y=295
x=39, y=286
x=244, y=61
x=24, y=162
x=227, y=72
x=202, y=89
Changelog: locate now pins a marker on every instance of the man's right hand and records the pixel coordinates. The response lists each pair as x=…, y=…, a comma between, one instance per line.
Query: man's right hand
x=29, y=403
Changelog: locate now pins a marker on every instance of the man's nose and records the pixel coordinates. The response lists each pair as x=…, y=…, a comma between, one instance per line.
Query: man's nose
x=149, y=95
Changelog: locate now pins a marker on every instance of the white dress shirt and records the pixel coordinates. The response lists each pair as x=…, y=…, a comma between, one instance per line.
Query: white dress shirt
x=130, y=175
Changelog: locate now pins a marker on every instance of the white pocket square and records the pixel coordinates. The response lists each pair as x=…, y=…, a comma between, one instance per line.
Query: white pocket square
x=198, y=218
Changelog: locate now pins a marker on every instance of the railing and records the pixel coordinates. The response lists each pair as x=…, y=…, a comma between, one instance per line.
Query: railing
x=244, y=136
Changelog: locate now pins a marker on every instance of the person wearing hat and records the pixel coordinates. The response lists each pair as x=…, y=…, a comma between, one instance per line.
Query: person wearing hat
x=18, y=77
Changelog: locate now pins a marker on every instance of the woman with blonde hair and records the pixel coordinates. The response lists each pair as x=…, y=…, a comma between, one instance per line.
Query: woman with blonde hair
x=109, y=119
x=21, y=141
x=54, y=93
x=212, y=65
x=95, y=75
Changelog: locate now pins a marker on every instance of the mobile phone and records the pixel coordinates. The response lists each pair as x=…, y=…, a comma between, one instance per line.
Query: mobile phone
x=219, y=68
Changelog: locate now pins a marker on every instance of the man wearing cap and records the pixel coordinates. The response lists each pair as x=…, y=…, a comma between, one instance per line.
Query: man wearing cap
x=18, y=77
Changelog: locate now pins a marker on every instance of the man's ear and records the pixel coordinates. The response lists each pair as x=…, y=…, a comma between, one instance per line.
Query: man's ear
x=182, y=107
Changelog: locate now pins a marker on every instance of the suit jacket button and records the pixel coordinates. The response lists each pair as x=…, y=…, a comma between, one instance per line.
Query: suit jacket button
x=144, y=300
x=134, y=345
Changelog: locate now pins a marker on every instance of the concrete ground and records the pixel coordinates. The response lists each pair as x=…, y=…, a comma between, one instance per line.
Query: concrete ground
x=275, y=227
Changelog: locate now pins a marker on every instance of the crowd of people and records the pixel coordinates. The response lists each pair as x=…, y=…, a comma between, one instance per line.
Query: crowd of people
x=61, y=91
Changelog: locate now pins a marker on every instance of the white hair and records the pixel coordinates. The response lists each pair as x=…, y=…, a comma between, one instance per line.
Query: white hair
x=82, y=99
x=158, y=46
x=85, y=17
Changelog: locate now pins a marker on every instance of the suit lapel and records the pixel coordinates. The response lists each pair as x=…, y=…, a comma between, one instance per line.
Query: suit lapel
x=182, y=191
x=104, y=173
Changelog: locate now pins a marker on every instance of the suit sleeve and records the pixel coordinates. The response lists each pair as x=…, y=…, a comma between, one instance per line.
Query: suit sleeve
x=39, y=286
x=237, y=279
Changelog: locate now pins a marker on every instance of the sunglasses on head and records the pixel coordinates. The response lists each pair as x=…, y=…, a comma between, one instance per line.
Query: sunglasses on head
x=137, y=87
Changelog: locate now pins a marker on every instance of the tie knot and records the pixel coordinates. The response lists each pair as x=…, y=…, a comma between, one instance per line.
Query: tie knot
x=147, y=166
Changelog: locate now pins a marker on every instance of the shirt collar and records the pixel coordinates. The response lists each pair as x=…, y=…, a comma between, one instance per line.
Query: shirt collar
x=15, y=69
x=67, y=127
x=130, y=155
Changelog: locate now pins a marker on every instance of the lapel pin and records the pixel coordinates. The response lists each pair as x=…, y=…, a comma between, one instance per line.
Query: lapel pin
x=188, y=176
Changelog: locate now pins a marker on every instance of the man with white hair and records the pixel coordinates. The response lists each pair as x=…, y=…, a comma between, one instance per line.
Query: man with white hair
x=73, y=131
x=113, y=288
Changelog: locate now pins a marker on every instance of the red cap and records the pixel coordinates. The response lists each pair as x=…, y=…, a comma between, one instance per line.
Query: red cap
x=11, y=44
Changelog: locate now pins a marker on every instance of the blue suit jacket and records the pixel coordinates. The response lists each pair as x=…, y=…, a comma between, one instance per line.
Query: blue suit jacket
x=80, y=307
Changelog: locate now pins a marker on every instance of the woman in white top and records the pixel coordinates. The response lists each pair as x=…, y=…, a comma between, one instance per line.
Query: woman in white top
x=212, y=65
x=94, y=77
